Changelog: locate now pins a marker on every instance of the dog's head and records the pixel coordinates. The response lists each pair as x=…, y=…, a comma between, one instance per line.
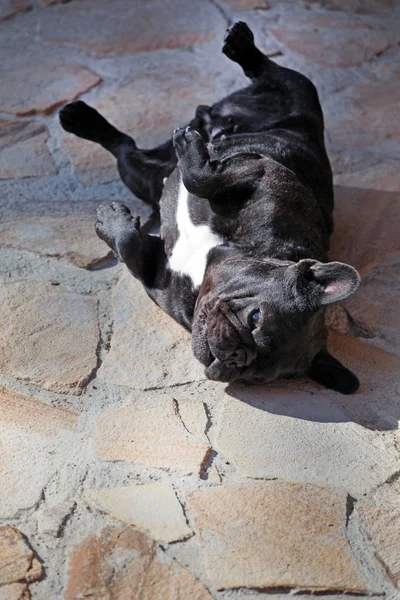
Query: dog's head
x=259, y=321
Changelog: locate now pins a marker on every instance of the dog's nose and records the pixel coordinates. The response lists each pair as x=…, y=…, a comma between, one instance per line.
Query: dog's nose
x=242, y=356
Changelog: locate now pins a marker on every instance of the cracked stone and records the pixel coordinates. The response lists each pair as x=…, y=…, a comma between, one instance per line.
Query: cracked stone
x=148, y=349
x=70, y=238
x=334, y=41
x=148, y=431
x=304, y=436
x=52, y=518
x=376, y=306
x=383, y=528
x=268, y=535
x=122, y=563
x=18, y=564
x=50, y=83
x=152, y=507
x=366, y=114
x=23, y=150
x=49, y=336
x=134, y=27
x=355, y=6
x=156, y=99
x=9, y=8
x=365, y=226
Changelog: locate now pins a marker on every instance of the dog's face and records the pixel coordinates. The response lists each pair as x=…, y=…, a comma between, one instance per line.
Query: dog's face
x=268, y=321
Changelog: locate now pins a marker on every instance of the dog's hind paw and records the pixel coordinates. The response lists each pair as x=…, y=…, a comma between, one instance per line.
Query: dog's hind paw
x=82, y=120
x=238, y=40
x=187, y=140
x=117, y=227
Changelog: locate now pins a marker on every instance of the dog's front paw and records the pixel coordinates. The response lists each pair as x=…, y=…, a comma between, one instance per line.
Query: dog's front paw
x=117, y=227
x=189, y=145
x=238, y=40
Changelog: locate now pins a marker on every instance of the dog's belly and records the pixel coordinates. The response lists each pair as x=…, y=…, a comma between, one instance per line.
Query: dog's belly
x=194, y=242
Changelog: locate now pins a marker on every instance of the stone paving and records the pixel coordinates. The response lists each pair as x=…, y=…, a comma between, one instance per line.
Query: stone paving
x=124, y=473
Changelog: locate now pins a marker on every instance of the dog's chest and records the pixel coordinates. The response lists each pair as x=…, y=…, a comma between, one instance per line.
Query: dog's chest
x=193, y=242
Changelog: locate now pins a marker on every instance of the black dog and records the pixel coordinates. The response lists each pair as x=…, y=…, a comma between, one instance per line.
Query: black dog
x=245, y=224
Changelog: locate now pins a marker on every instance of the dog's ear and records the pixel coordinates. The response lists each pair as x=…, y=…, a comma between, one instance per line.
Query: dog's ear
x=324, y=283
x=328, y=371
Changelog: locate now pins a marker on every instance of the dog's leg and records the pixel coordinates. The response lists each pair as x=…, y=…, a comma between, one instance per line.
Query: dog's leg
x=142, y=171
x=142, y=253
x=239, y=46
x=212, y=179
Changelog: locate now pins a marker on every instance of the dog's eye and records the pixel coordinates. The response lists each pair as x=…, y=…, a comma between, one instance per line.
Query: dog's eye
x=254, y=318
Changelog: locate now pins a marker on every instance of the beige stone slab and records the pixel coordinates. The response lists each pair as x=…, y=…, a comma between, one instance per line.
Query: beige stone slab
x=383, y=527
x=149, y=431
x=148, y=349
x=333, y=40
x=365, y=226
x=246, y=4
x=268, y=535
x=23, y=150
x=133, y=27
x=32, y=415
x=70, y=238
x=383, y=176
x=356, y=6
x=152, y=507
x=49, y=336
x=18, y=562
x=51, y=83
x=14, y=591
x=121, y=563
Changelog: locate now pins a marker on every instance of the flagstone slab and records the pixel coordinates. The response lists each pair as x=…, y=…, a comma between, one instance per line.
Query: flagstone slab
x=50, y=82
x=333, y=40
x=49, y=336
x=153, y=508
x=366, y=229
x=10, y=8
x=152, y=431
x=267, y=535
x=148, y=349
x=19, y=565
x=121, y=563
x=23, y=150
x=383, y=527
x=134, y=27
x=70, y=238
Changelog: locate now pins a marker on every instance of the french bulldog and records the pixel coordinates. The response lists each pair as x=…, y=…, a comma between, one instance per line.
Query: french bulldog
x=246, y=198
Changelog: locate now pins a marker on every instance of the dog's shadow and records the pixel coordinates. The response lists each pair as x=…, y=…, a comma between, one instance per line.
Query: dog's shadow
x=365, y=221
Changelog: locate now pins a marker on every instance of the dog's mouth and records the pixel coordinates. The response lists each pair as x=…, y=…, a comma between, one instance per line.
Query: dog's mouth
x=228, y=372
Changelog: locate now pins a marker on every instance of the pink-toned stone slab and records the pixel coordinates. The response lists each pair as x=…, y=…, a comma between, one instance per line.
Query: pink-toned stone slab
x=158, y=98
x=50, y=83
x=366, y=226
x=151, y=432
x=356, y=6
x=246, y=4
x=23, y=150
x=383, y=527
x=333, y=41
x=33, y=415
x=9, y=8
x=382, y=175
x=18, y=562
x=269, y=535
x=132, y=27
x=49, y=336
x=148, y=349
x=121, y=563
x=70, y=238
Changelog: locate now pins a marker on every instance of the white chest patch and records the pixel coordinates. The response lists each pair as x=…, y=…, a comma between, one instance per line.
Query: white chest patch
x=194, y=242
